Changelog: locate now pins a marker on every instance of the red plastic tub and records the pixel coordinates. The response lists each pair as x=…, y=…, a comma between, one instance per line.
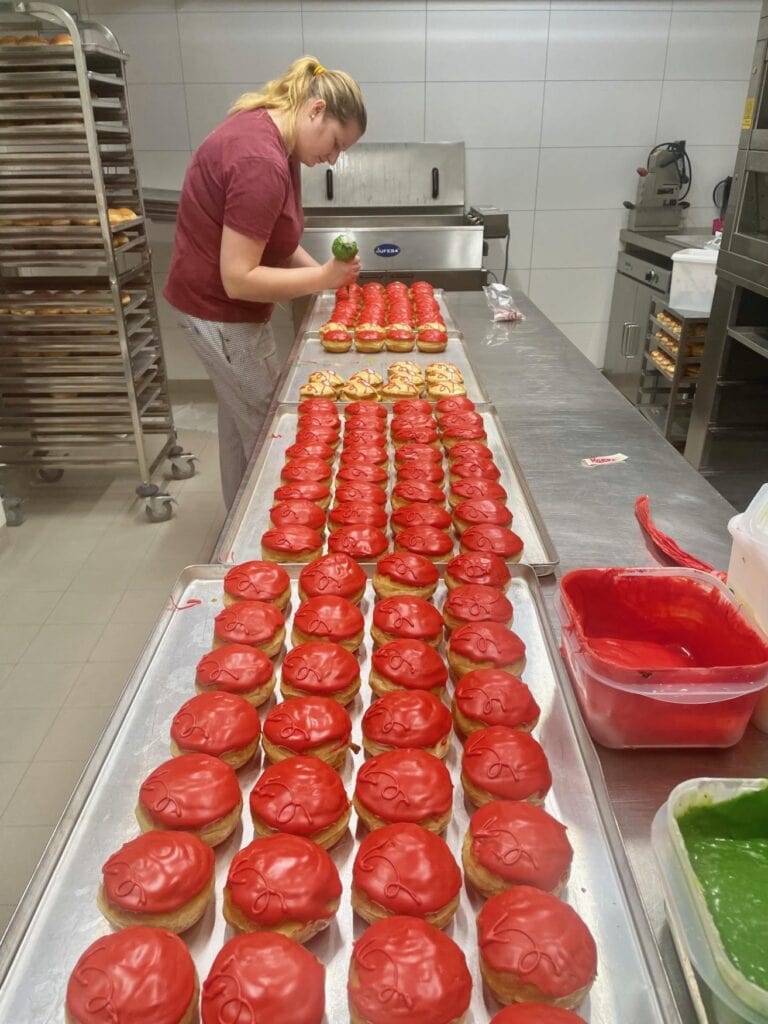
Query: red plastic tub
x=660, y=657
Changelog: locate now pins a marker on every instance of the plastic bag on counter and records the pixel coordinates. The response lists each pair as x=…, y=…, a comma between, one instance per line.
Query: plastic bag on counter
x=502, y=302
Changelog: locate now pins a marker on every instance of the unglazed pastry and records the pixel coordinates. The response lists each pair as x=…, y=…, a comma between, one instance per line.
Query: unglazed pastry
x=221, y=724
x=536, y=1013
x=363, y=543
x=504, y=764
x=485, y=645
x=406, y=618
x=282, y=883
x=257, y=581
x=320, y=669
x=404, y=785
x=328, y=619
x=336, y=574
x=485, y=569
x=137, y=974
x=407, y=718
x=307, y=726
x=405, y=573
x=238, y=669
x=291, y=544
x=253, y=623
x=407, y=665
x=303, y=796
x=162, y=879
x=264, y=976
x=193, y=793
x=405, y=971
x=474, y=602
x=534, y=947
x=490, y=696
x=513, y=843
x=405, y=869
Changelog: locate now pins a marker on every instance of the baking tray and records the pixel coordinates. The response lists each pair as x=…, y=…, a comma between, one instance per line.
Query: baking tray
x=326, y=300
x=242, y=540
x=58, y=917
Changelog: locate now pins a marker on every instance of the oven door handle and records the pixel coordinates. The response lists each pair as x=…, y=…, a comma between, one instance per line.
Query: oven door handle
x=435, y=182
x=329, y=184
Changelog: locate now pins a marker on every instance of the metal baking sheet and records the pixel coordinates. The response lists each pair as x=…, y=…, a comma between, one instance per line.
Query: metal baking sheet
x=243, y=539
x=58, y=917
x=326, y=300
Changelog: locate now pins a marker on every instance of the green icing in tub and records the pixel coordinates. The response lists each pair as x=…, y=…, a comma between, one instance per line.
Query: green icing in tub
x=728, y=847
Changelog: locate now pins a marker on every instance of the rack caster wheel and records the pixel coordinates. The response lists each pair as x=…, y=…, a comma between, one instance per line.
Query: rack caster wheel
x=183, y=467
x=14, y=516
x=49, y=474
x=159, y=509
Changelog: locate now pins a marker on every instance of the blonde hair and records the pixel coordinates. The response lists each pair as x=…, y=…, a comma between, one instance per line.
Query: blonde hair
x=307, y=79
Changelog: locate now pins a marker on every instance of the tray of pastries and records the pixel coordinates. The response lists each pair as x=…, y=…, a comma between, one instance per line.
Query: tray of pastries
x=432, y=478
x=311, y=807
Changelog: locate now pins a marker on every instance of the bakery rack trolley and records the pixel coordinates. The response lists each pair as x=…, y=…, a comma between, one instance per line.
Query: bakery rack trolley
x=671, y=365
x=83, y=378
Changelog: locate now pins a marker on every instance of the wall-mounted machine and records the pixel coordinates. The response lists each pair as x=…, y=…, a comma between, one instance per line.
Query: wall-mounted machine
x=663, y=184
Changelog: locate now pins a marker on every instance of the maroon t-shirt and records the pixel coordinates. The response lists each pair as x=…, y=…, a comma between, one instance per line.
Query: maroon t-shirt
x=240, y=176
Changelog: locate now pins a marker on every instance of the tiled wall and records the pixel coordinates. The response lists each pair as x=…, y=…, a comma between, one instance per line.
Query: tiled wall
x=557, y=101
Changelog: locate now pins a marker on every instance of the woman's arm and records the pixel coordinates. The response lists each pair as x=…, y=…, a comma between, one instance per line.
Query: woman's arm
x=301, y=258
x=245, y=279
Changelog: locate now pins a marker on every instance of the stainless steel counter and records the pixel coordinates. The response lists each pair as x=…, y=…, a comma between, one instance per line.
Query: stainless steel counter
x=656, y=241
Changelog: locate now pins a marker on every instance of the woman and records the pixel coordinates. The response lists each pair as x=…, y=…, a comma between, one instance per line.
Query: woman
x=236, y=250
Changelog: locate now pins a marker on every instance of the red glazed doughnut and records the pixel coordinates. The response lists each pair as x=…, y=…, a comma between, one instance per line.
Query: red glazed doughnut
x=309, y=450
x=405, y=869
x=407, y=718
x=220, y=724
x=464, y=469
x=372, y=409
x=411, y=407
x=513, y=843
x=301, y=512
x=132, y=975
x=535, y=947
x=427, y=472
x=420, y=513
x=456, y=420
x=317, y=433
x=258, y=581
x=471, y=451
x=405, y=971
x=318, y=407
x=253, y=623
x=361, y=432
x=328, y=619
x=476, y=487
x=364, y=543
x=455, y=403
x=303, y=796
x=336, y=574
x=162, y=879
x=370, y=455
x=291, y=544
x=282, y=883
x=419, y=453
x=312, y=490
x=498, y=540
x=481, y=511
x=404, y=785
x=371, y=494
x=536, y=1013
x=264, y=976
x=407, y=491
x=486, y=569
x=354, y=513
x=474, y=602
x=239, y=669
x=407, y=665
x=434, y=544
x=307, y=726
x=406, y=618
x=320, y=669
x=489, y=696
x=363, y=474
x=305, y=469
x=193, y=793
x=485, y=645
x=413, y=432
x=504, y=764
x=405, y=573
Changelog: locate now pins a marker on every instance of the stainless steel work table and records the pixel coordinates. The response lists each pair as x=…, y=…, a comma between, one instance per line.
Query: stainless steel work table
x=558, y=409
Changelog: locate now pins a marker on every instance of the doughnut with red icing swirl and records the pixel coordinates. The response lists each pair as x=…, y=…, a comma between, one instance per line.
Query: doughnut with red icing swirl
x=504, y=764
x=404, y=785
x=303, y=796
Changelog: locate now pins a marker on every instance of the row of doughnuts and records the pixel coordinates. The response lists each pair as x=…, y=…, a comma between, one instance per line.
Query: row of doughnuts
x=116, y=215
x=60, y=39
x=405, y=379
x=394, y=317
x=81, y=304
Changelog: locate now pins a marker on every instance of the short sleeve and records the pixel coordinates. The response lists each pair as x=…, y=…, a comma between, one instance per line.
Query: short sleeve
x=256, y=192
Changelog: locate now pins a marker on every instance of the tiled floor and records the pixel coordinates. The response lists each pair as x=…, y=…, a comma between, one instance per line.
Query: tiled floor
x=81, y=583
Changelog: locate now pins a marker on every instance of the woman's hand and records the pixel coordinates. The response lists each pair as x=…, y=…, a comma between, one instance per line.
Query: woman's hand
x=338, y=273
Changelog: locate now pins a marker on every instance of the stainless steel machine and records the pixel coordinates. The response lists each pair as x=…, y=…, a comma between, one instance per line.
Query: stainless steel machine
x=404, y=204
x=663, y=184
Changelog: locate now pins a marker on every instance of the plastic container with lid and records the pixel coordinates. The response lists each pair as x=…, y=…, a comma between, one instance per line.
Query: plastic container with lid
x=731, y=997
x=660, y=657
x=693, y=280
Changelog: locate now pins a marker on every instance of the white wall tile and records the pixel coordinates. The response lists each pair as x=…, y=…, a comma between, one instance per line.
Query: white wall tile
x=518, y=278
x=372, y=46
x=713, y=44
x=395, y=111
x=707, y=113
x=159, y=116
x=483, y=46
x=599, y=113
x=590, y=178
x=238, y=47
x=611, y=5
x=701, y=216
x=207, y=106
x=252, y=6
x=576, y=238
x=164, y=168
x=716, y=5
x=96, y=8
x=152, y=40
x=486, y=5
x=607, y=45
x=573, y=296
x=321, y=6
x=501, y=115
x=588, y=338
x=520, y=238
x=501, y=177
x=710, y=165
